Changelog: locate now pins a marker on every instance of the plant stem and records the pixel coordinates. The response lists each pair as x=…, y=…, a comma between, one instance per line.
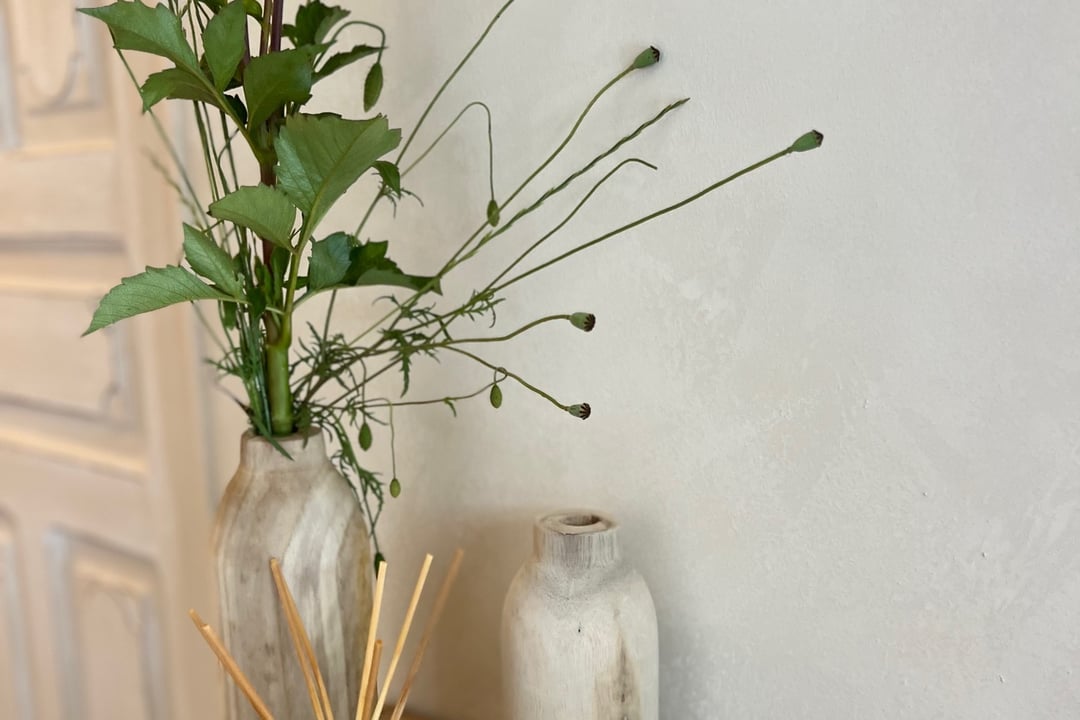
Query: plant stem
x=455, y=259
x=332, y=40
x=521, y=381
x=442, y=88
x=569, y=135
x=276, y=25
x=500, y=338
x=643, y=220
x=267, y=177
x=474, y=103
x=565, y=220
x=384, y=402
x=264, y=34
x=277, y=372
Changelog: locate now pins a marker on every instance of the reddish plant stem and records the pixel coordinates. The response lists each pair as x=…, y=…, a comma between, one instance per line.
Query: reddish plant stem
x=275, y=27
x=267, y=176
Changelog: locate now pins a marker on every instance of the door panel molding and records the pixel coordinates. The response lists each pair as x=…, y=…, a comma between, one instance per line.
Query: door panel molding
x=16, y=693
x=107, y=594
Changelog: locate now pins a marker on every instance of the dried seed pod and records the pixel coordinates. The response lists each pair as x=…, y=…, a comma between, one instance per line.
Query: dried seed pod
x=809, y=141
x=581, y=410
x=583, y=321
x=648, y=56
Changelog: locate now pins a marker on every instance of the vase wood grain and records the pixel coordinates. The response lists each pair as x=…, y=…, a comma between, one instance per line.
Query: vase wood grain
x=579, y=636
x=303, y=512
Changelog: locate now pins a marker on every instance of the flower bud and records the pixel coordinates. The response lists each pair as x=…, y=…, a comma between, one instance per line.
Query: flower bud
x=495, y=397
x=581, y=410
x=647, y=57
x=493, y=213
x=373, y=86
x=395, y=487
x=583, y=321
x=365, y=436
x=809, y=141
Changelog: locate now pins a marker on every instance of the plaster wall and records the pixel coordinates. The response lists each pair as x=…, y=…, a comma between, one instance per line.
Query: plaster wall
x=836, y=405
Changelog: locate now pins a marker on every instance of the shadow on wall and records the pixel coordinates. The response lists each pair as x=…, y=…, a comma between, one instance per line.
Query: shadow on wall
x=463, y=669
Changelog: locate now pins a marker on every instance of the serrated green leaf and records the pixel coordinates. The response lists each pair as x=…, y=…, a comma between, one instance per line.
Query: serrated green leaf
x=152, y=289
x=252, y=7
x=209, y=260
x=339, y=60
x=390, y=174
x=175, y=83
x=338, y=261
x=328, y=21
x=238, y=107
x=223, y=42
x=329, y=261
x=373, y=86
x=260, y=208
x=274, y=79
x=368, y=256
x=369, y=266
x=139, y=27
x=395, y=278
x=320, y=157
x=314, y=20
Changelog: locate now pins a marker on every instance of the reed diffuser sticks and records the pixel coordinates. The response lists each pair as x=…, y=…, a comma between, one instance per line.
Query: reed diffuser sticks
x=371, y=702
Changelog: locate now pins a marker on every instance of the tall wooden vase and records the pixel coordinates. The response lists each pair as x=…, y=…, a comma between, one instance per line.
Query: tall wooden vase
x=579, y=633
x=303, y=512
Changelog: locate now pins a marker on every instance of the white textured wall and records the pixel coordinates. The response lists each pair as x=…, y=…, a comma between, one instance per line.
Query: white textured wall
x=836, y=406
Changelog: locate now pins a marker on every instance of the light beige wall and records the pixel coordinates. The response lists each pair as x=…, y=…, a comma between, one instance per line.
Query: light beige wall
x=835, y=406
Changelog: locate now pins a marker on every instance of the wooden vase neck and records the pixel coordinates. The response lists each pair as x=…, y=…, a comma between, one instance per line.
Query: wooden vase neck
x=577, y=540
x=307, y=450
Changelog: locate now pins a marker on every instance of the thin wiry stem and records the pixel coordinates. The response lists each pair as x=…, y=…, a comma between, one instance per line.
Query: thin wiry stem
x=378, y=403
x=520, y=380
x=644, y=219
x=332, y=40
x=569, y=136
x=446, y=83
x=491, y=145
x=167, y=141
x=522, y=213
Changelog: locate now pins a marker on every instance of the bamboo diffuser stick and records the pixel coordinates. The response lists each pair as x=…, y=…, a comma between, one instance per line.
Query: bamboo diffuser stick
x=230, y=666
x=429, y=628
x=371, y=701
x=403, y=635
x=373, y=679
x=373, y=626
x=305, y=655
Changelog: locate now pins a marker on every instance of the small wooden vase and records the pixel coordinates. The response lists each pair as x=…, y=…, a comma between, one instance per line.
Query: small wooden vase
x=579, y=635
x=303, y=512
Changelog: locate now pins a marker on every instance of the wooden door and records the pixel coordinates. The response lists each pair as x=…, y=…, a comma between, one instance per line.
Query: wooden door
x=104, y=499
